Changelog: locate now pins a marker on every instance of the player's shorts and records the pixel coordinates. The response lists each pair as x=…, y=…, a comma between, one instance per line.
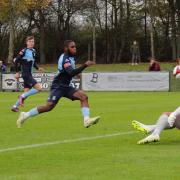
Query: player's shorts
x=177, y=122
x=29, y=81
x=57, y=93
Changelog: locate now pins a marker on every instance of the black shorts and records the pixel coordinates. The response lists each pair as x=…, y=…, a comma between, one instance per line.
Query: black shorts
x=57, y=93
x=29, y=81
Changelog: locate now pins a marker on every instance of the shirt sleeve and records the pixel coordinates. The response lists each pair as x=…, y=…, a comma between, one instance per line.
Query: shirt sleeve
x=69, y=69
x=17, y=59
x=36, y=66
x=34, y=54
x=60, y=68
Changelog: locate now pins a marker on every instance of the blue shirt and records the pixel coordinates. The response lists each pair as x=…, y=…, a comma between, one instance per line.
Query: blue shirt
x=62, y=60
x=26, y=58
x=29, y=54
x=63, y=78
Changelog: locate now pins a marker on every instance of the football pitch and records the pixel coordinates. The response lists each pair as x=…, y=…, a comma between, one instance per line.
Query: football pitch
x=56, y=146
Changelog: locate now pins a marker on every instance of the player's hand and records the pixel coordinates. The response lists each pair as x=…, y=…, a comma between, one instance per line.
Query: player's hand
x=90, y=63
x=41, y=69
x=17, y=76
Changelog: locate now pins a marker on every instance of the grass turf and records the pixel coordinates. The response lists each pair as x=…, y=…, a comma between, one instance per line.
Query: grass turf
x=110, y=158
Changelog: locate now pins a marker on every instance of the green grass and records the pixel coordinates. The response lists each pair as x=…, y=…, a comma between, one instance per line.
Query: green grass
x=112, y=158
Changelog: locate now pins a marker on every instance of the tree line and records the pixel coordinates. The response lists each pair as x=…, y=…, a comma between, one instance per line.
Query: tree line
x=103, y=29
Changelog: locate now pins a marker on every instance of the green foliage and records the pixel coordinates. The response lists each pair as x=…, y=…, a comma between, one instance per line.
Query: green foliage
x=4, y=9
x=20, y=6
x=126, y=21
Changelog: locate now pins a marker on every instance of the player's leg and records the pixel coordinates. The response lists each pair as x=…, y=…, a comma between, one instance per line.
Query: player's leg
x=15, y=107
x=29, y=82
x=53, y=99
x=161, y=125
x=36, y=88
x=80, y=95
x=177, y=122
x=145, y=129
x=34, y=112
x=132, y=60
x=136, y=59
x=26, y=90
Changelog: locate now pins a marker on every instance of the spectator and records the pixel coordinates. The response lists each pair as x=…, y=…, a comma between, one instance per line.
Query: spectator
x=135, y=53
x=3, y=67
x=154, y=65
x=176, y=71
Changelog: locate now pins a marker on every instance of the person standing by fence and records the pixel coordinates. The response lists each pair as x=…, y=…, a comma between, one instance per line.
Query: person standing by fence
x=135, y=53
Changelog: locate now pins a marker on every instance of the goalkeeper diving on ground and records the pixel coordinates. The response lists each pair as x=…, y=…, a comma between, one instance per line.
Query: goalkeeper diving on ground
x=61, y=87
x=166, y=121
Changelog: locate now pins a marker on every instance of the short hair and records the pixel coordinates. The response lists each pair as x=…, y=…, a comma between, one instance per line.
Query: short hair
x=67, y=42
x=29, y=38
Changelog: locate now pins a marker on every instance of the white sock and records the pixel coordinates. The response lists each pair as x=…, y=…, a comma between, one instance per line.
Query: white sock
x=162, y=124
x=151, y=127
x=85, y=112
x=86, y=118
x=31, y=113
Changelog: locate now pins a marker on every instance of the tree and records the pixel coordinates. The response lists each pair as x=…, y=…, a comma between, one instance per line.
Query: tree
x=10, y=10
x=110, y=26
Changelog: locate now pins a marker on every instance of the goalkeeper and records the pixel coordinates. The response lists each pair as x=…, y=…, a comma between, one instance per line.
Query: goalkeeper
x=166, y=121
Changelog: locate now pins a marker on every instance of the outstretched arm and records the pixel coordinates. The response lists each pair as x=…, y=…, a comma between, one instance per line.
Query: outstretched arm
x=73, y=72
x=36, y=66
x=40, y=69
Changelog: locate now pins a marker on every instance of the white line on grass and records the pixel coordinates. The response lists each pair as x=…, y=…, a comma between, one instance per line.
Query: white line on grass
x=30, y=146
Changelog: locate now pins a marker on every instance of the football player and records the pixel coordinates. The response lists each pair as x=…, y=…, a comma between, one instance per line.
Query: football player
x=26, y=59
x=61, y=87
x=167, y=120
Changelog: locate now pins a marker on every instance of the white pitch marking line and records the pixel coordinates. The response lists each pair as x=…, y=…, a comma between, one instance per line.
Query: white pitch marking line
x=30, y=146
